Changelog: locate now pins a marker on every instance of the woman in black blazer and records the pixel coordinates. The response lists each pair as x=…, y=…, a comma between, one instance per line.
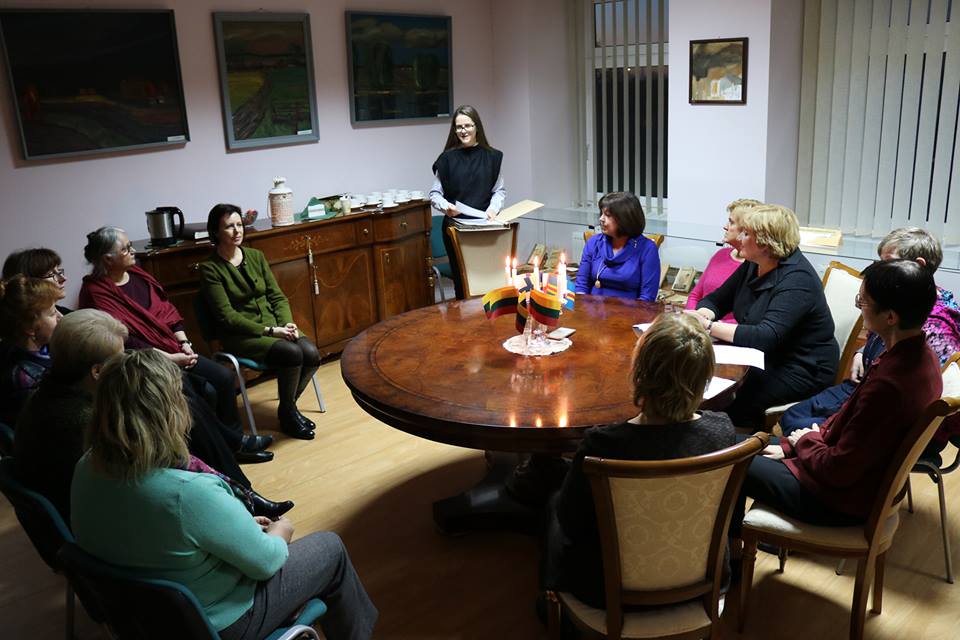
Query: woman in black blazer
x=777, y=299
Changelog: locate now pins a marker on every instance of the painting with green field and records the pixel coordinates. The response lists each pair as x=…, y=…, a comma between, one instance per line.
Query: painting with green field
x=266, y=78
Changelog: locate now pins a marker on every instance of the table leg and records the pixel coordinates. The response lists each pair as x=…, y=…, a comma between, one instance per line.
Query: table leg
x=491, y=506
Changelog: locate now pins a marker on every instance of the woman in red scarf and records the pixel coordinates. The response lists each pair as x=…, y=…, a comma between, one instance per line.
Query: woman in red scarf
x=134, y=297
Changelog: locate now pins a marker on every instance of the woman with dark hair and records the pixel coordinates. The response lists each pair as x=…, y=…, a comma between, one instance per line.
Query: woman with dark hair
x=138, y=503
x=828, y=474
x=38, y=263
x=620, y=261
x=253, y=316
x=468, y=171
x=119, y=287
x=28, y=316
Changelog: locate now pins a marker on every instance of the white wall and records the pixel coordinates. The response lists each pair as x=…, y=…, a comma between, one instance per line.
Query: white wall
x=718, y=153
x=55, y=203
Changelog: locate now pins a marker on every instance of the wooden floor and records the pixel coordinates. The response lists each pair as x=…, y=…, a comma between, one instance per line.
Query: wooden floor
x=374, y=486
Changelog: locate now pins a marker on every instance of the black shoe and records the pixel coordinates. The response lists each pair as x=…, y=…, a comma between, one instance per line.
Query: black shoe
x=253, y=457
x=766, y=547
x=250, y=444
x=305, y=421
x=268, y=508
x=295, y=429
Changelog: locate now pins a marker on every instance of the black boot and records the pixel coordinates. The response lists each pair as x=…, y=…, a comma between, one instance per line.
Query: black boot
x=306, y=375
x=269, y=508
x=288, y=379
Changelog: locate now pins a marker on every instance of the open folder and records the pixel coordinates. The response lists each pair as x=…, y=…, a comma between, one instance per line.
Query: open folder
x=477, y=218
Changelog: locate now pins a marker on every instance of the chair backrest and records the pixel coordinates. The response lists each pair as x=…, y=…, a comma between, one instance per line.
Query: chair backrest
x=481, y=255
x=840, y=286
x=656, y=237
x=39, y=518
x=663, y=525
x=891, y=489
x=137, y=607
x=6, y=439
x=437, y=249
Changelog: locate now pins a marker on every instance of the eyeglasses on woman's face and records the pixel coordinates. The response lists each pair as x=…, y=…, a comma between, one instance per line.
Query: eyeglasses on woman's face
x=860, y=303
x=127, y=249
x=59, y=274
x=465, y=127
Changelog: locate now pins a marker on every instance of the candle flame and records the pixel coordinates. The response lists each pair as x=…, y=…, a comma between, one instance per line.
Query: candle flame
x=513, y=420
x=506, y=262
x=563, y=258
x=563, y=420
x=539, y=422
x=514, y=263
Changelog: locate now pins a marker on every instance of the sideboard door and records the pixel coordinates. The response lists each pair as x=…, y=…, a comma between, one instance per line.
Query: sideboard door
x=402, y=276
x=345, y=300
x=293, y=281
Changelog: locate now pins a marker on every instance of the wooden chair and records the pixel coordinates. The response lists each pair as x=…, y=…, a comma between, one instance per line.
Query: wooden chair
x=656, y=237
x=440, y=261
x=868, y=542
x=481, y=253
x=840, y=286
x=930, y=464
x=663, y=531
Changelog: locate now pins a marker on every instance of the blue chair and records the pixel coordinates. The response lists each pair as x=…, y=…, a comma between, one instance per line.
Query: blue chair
x=441, y=263
x=148, y=609
x=47, y=531
x=206, y=323
x=6, y=440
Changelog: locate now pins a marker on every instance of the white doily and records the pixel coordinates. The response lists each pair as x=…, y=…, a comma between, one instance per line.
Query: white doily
x=517, y=345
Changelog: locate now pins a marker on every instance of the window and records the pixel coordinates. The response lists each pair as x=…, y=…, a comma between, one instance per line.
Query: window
x=623, y=99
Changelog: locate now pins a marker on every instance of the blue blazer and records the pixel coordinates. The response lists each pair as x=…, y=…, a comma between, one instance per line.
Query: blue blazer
x=633, y=273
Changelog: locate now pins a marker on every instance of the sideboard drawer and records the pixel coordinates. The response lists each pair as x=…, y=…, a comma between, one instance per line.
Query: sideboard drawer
x=398, y=225
x=181, y=267
x=322, y=238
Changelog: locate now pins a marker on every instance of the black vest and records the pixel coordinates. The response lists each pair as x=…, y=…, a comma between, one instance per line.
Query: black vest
x=468, y=175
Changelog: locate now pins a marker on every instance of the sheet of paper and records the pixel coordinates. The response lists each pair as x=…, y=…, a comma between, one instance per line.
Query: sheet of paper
x=716, y=386
x=477, y=222
x=467, y=210
x=519, y=209
x=640, y=328
x=730, y=354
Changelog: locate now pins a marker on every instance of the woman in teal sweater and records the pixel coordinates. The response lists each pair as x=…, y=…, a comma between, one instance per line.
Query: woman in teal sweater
x=254, y=316
x=188, y=527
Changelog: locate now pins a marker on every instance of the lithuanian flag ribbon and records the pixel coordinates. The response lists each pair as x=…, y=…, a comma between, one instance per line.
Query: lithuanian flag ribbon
x=500, y=302
x=522, y=313
x=545, y=308
x=551, y=288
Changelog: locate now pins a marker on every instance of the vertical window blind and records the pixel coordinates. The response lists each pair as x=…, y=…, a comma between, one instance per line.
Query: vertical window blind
x=880, y=94
x=622, y=55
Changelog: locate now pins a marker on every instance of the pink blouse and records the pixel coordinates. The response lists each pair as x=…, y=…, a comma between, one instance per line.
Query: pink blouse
x=720, y=267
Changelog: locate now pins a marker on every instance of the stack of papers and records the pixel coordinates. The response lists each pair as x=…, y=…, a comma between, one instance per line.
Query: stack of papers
x=724, y=353
x=477, y=218
x=716, y=386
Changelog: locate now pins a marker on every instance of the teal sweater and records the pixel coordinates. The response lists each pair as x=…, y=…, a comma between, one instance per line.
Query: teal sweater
x=181, y=526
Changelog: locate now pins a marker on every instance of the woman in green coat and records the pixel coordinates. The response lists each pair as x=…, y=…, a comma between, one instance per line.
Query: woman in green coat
x=253, y=315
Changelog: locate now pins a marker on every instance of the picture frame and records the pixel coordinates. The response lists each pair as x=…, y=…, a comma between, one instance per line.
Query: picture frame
x=267, y=87
x=718, y=71
x=400, y=67
x=91, y=81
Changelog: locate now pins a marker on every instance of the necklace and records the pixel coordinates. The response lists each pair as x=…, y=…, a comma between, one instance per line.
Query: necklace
x=597, y=282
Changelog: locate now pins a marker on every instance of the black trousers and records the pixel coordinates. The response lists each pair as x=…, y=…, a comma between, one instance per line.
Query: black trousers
x=762, y=389
x=771, y=483
x=211, y=440
x=220, y=390
x=455, y=267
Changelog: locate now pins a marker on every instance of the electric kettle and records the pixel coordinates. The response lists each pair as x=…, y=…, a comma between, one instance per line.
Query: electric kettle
x=160, y=226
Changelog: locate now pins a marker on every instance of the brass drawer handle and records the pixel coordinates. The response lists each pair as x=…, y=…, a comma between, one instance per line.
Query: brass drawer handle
x=194, y=266
x=366, y=231
x=403, y=224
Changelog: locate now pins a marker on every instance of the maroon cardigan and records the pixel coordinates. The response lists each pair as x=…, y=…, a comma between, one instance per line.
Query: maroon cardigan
x=152, y=325
x=845, y=462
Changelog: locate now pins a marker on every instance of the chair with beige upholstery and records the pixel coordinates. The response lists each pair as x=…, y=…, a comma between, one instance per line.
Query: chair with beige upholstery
x=656, y=237
x=481, y=253
x=841, y=284
x=868, y=542
x=663, y=531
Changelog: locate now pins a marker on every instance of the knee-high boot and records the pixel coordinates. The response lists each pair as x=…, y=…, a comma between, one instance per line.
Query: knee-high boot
x=288, y=380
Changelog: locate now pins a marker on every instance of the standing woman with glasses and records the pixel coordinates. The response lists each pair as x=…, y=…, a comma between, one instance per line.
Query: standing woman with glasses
x=135, y=298
x=38, y=263
x=468, y=171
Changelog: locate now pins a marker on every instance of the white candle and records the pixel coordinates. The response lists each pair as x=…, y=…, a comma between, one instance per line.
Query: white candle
x=562, y=277
x=506, y=270
x=513, y=272
x=536, y=272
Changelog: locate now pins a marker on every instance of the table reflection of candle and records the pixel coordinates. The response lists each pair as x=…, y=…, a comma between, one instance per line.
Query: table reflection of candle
x=536, y=272
x=506, y=271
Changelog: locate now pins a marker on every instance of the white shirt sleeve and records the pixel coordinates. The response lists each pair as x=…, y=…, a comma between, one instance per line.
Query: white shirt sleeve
x=499, y=195
x=436, y=196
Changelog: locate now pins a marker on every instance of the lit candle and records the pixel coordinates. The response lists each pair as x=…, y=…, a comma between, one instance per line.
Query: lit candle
x=513, y=272
x=506, y=270
x=562, y=277
x=536, y=272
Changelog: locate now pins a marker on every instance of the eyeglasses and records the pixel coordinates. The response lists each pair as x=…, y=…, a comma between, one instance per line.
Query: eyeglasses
x=859, y=303
x=127, y=249
x=56, y=274
x=465, y=127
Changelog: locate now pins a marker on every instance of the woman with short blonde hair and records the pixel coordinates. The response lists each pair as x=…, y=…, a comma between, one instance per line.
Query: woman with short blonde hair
x=85, y=338
x=133, y=504
x=725, y=261
x=672, y=364
x=777, y=300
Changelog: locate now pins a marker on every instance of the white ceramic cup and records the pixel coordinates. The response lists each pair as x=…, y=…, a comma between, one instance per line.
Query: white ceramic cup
x=357, y=201
x=403, y=196
x=416, y=195
x=388, y=200
x=373, y=198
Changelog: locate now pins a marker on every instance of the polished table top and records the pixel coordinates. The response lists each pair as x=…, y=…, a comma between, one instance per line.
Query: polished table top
x=441, y=373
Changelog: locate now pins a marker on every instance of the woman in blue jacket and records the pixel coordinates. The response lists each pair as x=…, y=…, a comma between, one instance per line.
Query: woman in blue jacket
x=620, y=261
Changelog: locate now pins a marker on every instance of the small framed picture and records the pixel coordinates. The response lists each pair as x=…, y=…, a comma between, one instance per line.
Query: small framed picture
x=718, y=71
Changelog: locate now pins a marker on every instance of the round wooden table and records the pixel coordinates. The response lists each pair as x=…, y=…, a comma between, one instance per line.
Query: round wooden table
x=441, y=373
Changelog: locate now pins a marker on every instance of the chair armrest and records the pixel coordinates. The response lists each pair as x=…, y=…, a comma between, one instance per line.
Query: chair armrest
x=300, y=630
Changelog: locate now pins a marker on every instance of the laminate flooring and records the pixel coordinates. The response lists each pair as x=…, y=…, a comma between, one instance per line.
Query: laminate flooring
x=374, y=486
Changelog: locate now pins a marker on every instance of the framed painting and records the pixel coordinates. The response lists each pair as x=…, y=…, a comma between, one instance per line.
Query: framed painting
x=400, y=67
x=718, y=71
x=266, y=78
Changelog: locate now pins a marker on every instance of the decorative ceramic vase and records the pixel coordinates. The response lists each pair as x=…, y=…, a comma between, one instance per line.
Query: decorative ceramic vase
x=281, y=203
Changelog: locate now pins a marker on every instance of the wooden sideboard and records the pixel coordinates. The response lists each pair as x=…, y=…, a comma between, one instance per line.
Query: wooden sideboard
x=341, y=275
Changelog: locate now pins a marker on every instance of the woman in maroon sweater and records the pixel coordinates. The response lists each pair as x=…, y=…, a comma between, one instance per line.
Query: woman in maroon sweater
x=829, y=474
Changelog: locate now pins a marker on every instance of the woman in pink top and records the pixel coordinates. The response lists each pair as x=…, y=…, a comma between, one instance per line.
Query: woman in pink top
x=725, y=261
